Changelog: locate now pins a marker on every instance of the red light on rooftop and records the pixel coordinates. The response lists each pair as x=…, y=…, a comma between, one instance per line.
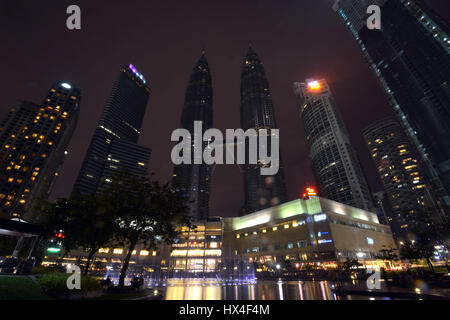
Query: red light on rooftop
x=309, y=192
x=314, y=85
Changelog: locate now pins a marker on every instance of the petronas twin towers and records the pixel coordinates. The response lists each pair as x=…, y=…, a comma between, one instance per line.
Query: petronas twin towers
x=256, y=113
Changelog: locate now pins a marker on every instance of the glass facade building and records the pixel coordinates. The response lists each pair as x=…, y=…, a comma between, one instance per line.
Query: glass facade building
x=257, y=112
x=34, y=140
x=410, y=58
x=195, y=179
x=114, y=144
x=336, y=166
x=401, y=172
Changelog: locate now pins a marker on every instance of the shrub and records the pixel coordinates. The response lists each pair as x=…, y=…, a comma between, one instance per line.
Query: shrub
x=49, y=269
x=55, y=284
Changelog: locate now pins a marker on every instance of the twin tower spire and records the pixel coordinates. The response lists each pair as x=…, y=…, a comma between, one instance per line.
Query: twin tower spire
x=256, y=112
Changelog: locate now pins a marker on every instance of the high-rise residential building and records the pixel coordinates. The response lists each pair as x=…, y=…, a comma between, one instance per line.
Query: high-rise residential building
x=195, y=179
x=114, y=144
x=335, y=164
x=34, y=142
x=400, y=170
x=410, y=56
x=257, y=112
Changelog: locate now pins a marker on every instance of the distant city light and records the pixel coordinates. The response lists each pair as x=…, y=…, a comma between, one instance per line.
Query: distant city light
x=66, y=85
x=54, y=250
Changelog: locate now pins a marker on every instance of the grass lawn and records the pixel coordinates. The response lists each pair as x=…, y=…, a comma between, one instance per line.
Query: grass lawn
x=20, y=288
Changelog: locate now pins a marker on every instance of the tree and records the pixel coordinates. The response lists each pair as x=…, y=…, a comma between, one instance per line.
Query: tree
x=418, y=251
x=387, y=254
x=350, y=263
x=84, y=221
x=145, y=212
x=428, y=230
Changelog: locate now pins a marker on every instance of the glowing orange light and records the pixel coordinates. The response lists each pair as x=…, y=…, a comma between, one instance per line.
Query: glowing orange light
x=60, y=235
x=309, y=192
x=314, y=85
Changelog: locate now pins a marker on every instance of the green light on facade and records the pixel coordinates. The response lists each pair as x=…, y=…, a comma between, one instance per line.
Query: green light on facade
x=283, y=211
x=53, y=250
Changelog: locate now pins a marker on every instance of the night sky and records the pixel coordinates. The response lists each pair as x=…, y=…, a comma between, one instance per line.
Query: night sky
x=163, y=39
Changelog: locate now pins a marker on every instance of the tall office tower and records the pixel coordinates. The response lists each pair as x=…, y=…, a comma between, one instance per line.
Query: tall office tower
x=33, y=142
x=195, y=179
x=335, y=164
x=400, y=170
x=114, y=144
x=257, y=112
x=410, y=58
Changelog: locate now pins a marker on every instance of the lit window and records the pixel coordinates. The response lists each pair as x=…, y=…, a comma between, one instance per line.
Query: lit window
x=213, y=245
x=144, y=253
x=118, y=251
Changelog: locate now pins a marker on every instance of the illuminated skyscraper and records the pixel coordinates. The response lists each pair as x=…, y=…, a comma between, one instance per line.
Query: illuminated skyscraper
x=195, y=179
x=335, y=163
x=410, y=56
x=257, y=112
x=114, y=144
x=401, y=172
x=33, y=142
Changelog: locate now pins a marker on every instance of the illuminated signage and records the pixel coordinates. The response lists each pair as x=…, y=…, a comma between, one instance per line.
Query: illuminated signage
x=53, y=250
x=309, y=193
x=324, y=241
x=370, y=240
x=320, y=217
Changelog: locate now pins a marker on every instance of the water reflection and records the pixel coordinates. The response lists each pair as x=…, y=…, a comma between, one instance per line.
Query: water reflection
x=261, y=290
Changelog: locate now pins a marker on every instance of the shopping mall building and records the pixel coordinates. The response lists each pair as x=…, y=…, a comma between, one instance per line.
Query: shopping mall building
x=303, y=231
